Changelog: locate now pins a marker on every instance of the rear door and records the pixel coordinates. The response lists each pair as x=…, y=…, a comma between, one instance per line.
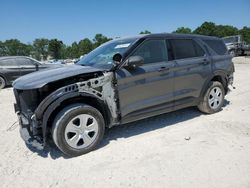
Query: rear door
x=9, y=69
x=149, y=85
x=192, y=69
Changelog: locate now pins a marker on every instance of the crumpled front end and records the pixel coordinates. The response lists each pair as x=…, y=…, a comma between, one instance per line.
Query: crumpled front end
x=30, y=130
x=35, y=106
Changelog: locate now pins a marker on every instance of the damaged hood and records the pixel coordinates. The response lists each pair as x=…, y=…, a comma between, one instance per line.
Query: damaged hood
x=39, y=79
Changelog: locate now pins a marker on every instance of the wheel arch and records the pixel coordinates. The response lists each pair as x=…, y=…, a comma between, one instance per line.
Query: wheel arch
x=75, y=97
x=219, y=76
x=5, y=79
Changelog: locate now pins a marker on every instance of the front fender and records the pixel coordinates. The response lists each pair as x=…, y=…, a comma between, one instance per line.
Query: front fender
x=101, y=89
x=56, y=103
x=67, y=91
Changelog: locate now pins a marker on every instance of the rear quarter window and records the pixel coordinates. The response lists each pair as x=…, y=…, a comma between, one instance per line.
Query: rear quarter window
x=217, y=46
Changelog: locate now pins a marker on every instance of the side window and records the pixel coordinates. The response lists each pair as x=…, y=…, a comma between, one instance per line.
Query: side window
x=183, y=48
x=217, y=45
x=152, y=51
x=199, y=51
x=23, y=61
x=33, y=62
x=8, y=62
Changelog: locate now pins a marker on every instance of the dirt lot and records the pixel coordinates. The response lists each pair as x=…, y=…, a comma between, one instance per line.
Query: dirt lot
x=149, y=153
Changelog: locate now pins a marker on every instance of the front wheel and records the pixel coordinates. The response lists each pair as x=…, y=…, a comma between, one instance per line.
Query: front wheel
x=213, y=99
x=78, y=129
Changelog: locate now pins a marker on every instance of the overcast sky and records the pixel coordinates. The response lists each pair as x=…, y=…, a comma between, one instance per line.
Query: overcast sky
x=73, y=20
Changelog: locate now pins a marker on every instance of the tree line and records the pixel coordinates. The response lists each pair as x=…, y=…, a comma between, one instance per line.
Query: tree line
x=211, y=29
x=43, y=48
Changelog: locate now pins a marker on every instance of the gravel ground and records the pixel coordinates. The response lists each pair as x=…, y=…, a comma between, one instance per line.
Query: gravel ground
x=148, y=153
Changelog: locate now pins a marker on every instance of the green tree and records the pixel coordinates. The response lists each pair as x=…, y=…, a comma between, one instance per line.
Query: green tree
x=245, y=32
x=185, y=30
x=85, y=46
x=145, y=32
x=211, y=29
x=74, y=50
x=55, y=48
x=14, y=47
x=41, y=48
x=207, y=28
x=100, y=39
x=2, y=49
x=226, y=30
x=67, y=52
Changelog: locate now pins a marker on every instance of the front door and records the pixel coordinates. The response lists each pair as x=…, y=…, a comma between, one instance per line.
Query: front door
x=26, y=66
x=146, y=87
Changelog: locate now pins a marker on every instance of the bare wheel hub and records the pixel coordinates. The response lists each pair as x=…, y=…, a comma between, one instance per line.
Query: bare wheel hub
x=81, y=131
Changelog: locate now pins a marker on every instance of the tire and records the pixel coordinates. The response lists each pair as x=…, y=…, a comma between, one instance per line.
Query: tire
x=2, y=83
x=213, y=98
x=78, y=129
x=232, y=53
x=242, y=53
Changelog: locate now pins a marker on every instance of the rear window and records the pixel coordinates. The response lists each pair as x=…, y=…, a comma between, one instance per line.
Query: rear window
x=8, y=62
x=185, y=48
x=217, y=45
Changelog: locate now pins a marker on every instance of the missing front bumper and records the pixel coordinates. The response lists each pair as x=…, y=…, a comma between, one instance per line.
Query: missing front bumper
x=27, y=133
x=31, y=140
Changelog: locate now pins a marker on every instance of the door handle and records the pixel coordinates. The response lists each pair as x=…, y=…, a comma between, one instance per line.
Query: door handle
x=163, y=69
x=205, y=62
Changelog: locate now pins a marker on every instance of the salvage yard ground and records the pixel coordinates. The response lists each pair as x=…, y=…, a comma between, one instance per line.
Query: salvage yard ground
x=181, y=149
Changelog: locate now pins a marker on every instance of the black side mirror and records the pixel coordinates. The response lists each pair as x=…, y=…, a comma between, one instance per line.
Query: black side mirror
x=117, y=58
x=135, y=61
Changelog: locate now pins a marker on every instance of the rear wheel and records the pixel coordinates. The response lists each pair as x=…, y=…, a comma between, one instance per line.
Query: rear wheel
x=2, y=83
x=78, y=129
x=213, y=99
x=233, y=53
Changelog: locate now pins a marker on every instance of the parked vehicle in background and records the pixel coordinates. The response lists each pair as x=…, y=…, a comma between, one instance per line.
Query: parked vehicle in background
x=236, y=46
x=124, y=80
x=12, y=67
x=54, y=61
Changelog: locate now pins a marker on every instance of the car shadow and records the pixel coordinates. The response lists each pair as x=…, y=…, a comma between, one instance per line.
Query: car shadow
x=129, y=130
x=149, y=124
x=50, y=149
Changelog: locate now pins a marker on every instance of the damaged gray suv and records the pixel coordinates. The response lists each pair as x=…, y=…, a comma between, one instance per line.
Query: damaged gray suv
x=124, y=80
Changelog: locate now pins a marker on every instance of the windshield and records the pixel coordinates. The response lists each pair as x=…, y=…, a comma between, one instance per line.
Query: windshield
x=102, y=57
